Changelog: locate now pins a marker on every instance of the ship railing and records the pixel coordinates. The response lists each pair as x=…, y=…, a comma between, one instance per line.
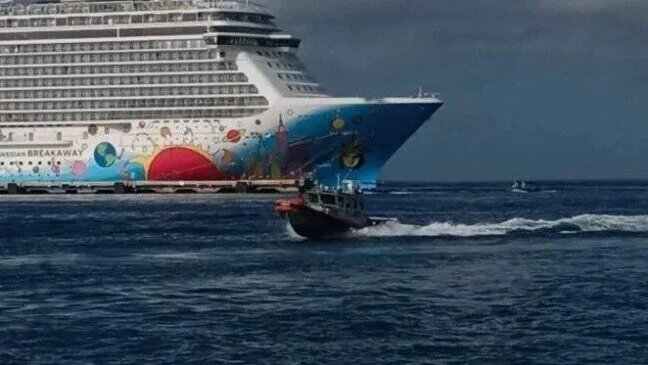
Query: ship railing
x=82, y=7
x=427, y=95
x=234, y=3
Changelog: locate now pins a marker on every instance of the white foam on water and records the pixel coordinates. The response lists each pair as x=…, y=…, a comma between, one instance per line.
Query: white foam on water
x=171, y=256
x=581, y=223
x=292, y=234
x=52, y=259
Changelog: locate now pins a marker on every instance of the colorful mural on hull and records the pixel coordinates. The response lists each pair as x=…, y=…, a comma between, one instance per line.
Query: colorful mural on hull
x=348, y=141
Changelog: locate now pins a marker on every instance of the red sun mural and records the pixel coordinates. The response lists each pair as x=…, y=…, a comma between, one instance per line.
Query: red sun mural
x=182, y=163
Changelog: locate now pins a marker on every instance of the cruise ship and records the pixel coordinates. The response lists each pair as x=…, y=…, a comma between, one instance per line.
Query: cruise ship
x=179, y=90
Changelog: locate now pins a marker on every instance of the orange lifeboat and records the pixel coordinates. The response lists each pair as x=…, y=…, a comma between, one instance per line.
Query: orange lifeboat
x=287, y=206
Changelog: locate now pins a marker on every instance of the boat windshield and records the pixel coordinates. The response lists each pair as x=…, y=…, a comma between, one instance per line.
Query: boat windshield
x=313, y=198
x=328, y=199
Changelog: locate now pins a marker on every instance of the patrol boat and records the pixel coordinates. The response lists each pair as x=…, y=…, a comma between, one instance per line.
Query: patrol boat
x=319, y=212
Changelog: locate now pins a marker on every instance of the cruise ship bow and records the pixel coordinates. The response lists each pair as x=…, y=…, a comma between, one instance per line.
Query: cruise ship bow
x=178, y=90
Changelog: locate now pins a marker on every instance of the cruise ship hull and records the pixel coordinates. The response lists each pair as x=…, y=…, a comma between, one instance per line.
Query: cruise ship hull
x=332, y=138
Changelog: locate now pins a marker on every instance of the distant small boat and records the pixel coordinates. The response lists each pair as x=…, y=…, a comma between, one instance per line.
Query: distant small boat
x=524, y=187
x=319, y=212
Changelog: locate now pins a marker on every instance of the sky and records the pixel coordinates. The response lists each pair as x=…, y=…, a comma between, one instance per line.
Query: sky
x=534, y=89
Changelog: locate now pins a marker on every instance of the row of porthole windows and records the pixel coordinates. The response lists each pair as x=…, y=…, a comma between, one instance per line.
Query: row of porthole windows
x=130, y=115
x=124, y=80
x=29, y=163
x=109, y=57
x=134, y=103
x=129, y=92
x=102, y=46
x=119, y=69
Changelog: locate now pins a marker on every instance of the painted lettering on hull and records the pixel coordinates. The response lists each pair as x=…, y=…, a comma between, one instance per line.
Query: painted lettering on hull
x=54, y=153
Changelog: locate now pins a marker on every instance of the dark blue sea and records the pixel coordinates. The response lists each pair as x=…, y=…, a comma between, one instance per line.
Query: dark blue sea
x=472, y=274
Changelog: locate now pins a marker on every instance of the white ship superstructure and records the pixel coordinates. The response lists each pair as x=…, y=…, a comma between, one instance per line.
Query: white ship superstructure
x=176, y=90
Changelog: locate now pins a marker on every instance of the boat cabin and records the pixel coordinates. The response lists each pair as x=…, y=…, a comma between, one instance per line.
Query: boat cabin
x=350, y=205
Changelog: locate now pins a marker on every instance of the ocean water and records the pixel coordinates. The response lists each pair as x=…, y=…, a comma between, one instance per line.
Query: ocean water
x=471, y=274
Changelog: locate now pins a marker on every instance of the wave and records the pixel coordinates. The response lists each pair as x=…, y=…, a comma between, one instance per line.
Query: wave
x=34, y=260
x=171, y=256
x=578, y=224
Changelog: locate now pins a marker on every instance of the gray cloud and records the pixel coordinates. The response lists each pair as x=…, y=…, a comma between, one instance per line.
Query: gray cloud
x=533, y=88
x=461, y=25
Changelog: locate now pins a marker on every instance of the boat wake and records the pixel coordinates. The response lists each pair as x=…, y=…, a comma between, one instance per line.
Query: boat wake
x=292, y=234
x=587, y=223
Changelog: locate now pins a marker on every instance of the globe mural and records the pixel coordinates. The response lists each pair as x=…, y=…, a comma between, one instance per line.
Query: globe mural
x=105, y=154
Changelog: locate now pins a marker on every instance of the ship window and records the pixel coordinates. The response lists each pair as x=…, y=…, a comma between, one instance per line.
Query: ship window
x=328, y=199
